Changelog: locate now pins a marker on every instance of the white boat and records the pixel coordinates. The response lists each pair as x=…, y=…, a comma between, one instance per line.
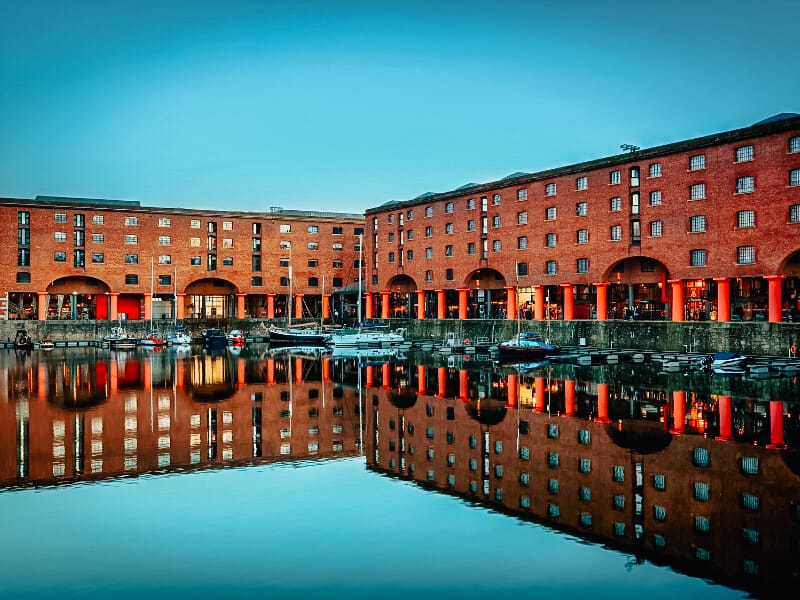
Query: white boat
x=235, y=337
x=120, y=339
x=367, y=336
x=153, y=340
x=363, y=354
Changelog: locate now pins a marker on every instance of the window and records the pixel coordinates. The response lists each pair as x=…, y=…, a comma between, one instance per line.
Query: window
x=313, y=229
x=615, y=204
x=550, y=240
x=131, y=279
x=582, y=265
x=428, y=252
x=582, y=183
x=98, y=219
x=551, y=267
x=132, y=221
x=410, y=234
x=429, y=231
x=582, y=209
x=23, y=257
x=164, y=222
x=697, y=162
x=496, y=221
x=702, y=524
x=615, y=177
x=391, y=257
x=285, y=228
x=131, y=238
x=584, y=494
x=211, y=262
x=255, y=263
x=471, y=204
x=164, y=259
x=583, y=236
x=654, y=170
x=701, y=491
x=615, y=233
x=495, y=246
x=550, y=213
x=448, y=250
x=618, y=473
x=79, y=237
x=313, y=282
x=23, y=277
x=749, y=465
x=550, y=189
x=745, y=185
x=794, y=213
x=24, y=237
x=449, y=228
x=697, y=223
x=97, y=238
x=794, y=177
x=449, y=275
x=471, y=248
x=227, y=226
x=390, y=239
x=744, y=153
x=195, y=261
x=60, y=217
x=391, y=219
x=746, y=218
x=745, y=255
x=165, y=280
x=522, y=269
x=655, y=198
x=194, y=224
x=522, y=242
x=660, y=482
x=584, y=465
x=496, y=199
x=449, y=208
x=428, y=211
x=697, y=258
x=470, y=225
x=635, y=204
x=131, y=259
x=60, y=257
x=656, y=228
x=697, y=191
x=256, y=281
x=794, y=144
x=634, y=176
x=60, y=236
x=410, y=215
x=428, y=275
x=522, y=194
x=164, y=240
x=79, y=220
x=311, y=245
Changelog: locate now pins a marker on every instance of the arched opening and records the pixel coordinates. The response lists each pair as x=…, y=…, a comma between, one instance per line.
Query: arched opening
x=638, y=290
x=210, y=298
x=487, y=296
x=76, y=298
x=402, y=299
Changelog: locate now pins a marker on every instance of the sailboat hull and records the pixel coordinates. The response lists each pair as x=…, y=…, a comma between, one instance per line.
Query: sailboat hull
x=297, y=337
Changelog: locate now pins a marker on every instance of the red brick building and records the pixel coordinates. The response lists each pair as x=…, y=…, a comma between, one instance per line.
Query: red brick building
x=105, y=259
x=700, y=229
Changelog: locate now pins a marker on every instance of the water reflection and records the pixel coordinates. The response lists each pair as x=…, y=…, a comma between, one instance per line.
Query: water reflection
x=696, y=472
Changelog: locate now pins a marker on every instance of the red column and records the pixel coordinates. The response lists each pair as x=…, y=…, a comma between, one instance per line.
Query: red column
x=776, y=425
x=513, y=391
x=569, y=302
x=602, y=403
x=326, y=369
x=462, y=303
x=298, y=370
x=677, y=299
x=538, y=399
x=385, y=302
x=368, y=305
x=370, y=376
x=421, y=305
x=148, y=307
x=270, y=371
x=240, y=306
x=385, y=376
x=569, y=398
x=538, y=298
x=725, y=419
x=601, y=290
x=147, y=374
x=723, y=299
x=240, y=371
x=113, y=313
x=442, y=377
x=113, y=376
x=441, y=308
x=41, y=307
x=180, y=301
x=421, y=380
x=298, y=305
x=179, y=383
x=326, y=306
x=270, y=306
x=463, y=384
x=678, y=412
x=775, y=301
x=41, y=382
x=511, y=303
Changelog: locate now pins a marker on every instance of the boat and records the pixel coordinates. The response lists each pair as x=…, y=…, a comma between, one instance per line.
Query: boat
x=179, y=336
x=235, y=337
x=367, y=335
x=526, y=346
x=152, y=340
x=47, y=344
x=724, y=361
x=120, y=339
x=363, y=354
x=213, y=338
x=22, y=341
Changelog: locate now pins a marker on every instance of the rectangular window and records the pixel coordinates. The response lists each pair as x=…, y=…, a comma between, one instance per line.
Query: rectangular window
x=131, y=279
x=495, y=199
x=615, y=233
x=429, y=231
x=701, y=491
x=98, y=219
x=655, y=198
x=654, y=170
x=550, y=189
x=697, y=224
x=196, y=261
x=582, y=265
x=615, y=177
x=615, y=204
x=164, y=222
x=227, y=225
x=746, y=218
x=794, y=213
x=23, y=257
x=428, y=211
x=164, y=259
x=60, y=217
x=194, y=224
x=585, y=465
x=131, y=238
x=635, y=203
x=697, y=191
x=132, y=221
x=60, y=236
x=428, y=275
x=522, y=218
x=449, y=208
x=255, y=263
x=165, y=280
x=227, y=242
x=700, y=457
x=794, y=177
x=697, y=162
x=131, y=259
x=496, y=221
x=522, y=242
x=471, y=248
x=522, y=269
x=634, y=176
x=583, y=236
x=745, y=255
x=660, y=482
x=313, y=229
x=195, y=242
x=522, y=194
x=60, y=257
x=449, y=275
x=448, y=250
x=550, y=240
x=656, y=228
x=744, y=153
x=551, y=267
x=449, y=228
x=582, y=183
x=794, y=144
x=256, y=281
x=618, y=473
x=97, y=238
x=429, y=253
x=285, y=228
x=749, y=465
x=697, y=258
x=582, y=209
x=79, y=237
x=745, y=185
x=495, y=246
x=391, y=257
x=164, y=240
x=470, y=225
x=550, y=213
x=311, y=245
x=471, y=204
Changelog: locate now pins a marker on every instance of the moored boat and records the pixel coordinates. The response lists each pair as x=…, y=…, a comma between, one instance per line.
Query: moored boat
x=153, y=339
x=213, y=338
x=179, y=336
x=297, y=336
x=120, y=339
x=235, y=337
x=724, y=361
x=526, y=346
x=367, y=336
x=23, y=341
x=47, y=344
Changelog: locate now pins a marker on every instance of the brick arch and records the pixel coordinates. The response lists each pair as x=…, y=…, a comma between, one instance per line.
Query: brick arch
x=790, y=265
x=402, y=283
x=210, y=286
x=79, y=284
x=632, y=271
x=488, y=279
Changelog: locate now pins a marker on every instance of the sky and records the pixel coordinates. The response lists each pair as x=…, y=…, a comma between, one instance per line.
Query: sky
x=343, y=106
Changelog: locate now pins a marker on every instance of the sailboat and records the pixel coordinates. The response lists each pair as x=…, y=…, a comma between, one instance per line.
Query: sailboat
x=152, y=339
x=179, y=335
x=366, y=335
x=295, y=336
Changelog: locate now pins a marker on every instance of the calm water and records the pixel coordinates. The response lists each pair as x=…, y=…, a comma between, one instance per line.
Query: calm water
x=182, y=474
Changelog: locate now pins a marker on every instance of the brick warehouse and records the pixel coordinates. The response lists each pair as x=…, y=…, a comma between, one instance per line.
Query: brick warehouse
x=699, y=229
x=108, y=259
x=680, y=231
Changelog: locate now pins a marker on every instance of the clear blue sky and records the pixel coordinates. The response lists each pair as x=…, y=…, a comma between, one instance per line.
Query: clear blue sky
x=346, y=105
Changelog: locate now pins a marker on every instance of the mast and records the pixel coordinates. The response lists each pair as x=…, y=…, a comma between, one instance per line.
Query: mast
x=360, y=267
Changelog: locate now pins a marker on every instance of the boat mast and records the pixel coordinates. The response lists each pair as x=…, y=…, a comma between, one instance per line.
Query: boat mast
x=360, y=267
